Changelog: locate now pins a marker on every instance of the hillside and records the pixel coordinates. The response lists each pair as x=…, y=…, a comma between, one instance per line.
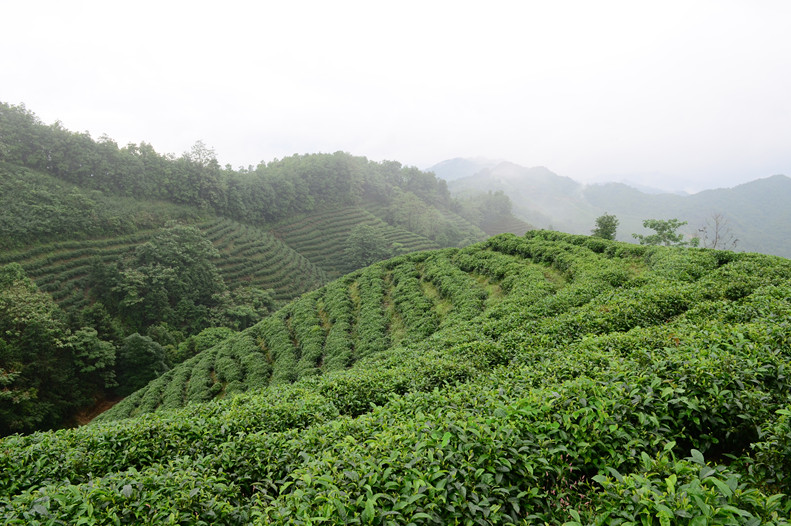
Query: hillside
x=247, y=256
x=460, y=167
x=755, y=211
x=134, y=253
x=550, y=378
x=321, y=236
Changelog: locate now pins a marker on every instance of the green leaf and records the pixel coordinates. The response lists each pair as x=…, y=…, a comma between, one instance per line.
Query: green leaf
x=367, y=515
x=697, y=457
x=671, y=484
x=737, y=511
x=615, y=474
x=774, y=502
x=724, y=489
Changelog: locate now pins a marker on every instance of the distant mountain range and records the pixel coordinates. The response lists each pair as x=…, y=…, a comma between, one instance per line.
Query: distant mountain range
x=459, y=167
x=757, y=213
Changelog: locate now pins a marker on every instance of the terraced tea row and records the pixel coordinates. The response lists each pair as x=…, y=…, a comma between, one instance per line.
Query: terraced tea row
x=502, y=225
x=253, y=256
x=567, y=380
x=62, y=269
x=467, y=232
x=249, y=256
x=321, y=236
x=397, y=303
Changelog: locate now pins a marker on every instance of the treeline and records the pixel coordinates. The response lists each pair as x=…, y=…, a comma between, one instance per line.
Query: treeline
x=266, y=193
x=37, y=208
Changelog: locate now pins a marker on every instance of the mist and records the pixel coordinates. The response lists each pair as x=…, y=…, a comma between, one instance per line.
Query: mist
x=673, y=95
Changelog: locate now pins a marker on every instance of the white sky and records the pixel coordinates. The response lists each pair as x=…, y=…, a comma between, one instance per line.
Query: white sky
x=685, y=94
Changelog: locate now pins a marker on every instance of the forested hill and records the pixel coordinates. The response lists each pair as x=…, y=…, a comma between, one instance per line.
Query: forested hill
x=260, y=195
x=141, y=260
x=544, y=379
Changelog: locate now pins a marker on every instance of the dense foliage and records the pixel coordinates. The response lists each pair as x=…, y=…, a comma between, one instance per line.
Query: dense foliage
x=37, y=208
x=545, y=379
x=170, y=278
x=606, y=227
x=129, y=242
x=46, y=370
x=365, y=246
x=267, y=193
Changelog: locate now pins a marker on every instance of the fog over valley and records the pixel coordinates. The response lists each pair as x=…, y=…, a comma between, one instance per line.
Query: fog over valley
x=674, y=95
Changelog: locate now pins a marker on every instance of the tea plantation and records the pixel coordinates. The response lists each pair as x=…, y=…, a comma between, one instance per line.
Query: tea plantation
x=545, y=379
x=248, y=256
x=320, y=236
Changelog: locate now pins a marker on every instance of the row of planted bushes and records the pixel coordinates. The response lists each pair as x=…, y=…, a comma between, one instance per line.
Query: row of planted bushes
x=420, y=319
x=603, y=386
x=526, y=442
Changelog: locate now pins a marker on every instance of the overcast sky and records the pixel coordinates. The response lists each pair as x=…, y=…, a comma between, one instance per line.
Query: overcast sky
x=674, y=94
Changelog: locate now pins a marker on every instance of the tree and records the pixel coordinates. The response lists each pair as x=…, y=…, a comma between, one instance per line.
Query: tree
x=171, y=278
x=201, y=154
x=606, y=225
x=244, y=307
x=716, y=234
x=365, y=246
x=94, y=360
x=140, y=360
x=665, y=233
x=99, y=318
x=45, y=372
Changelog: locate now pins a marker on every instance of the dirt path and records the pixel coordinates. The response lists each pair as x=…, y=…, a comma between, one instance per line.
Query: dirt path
x=88, y=414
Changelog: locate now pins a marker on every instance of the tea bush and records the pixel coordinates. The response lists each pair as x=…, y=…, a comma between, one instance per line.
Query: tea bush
x=547, y=379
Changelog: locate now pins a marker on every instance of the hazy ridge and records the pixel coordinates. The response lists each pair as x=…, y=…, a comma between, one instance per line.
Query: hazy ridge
x=756, y=212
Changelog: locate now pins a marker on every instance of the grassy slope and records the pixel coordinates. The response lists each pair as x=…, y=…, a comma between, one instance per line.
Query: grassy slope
x=553, y=378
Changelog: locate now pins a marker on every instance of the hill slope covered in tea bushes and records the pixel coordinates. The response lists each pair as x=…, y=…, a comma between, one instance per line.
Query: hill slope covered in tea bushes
x=128, y=243
x=544, y=379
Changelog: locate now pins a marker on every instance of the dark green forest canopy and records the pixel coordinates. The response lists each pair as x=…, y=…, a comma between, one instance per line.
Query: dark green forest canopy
x=266, y=193
x=547, y=378
x=46, y=370
x=102, y=187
